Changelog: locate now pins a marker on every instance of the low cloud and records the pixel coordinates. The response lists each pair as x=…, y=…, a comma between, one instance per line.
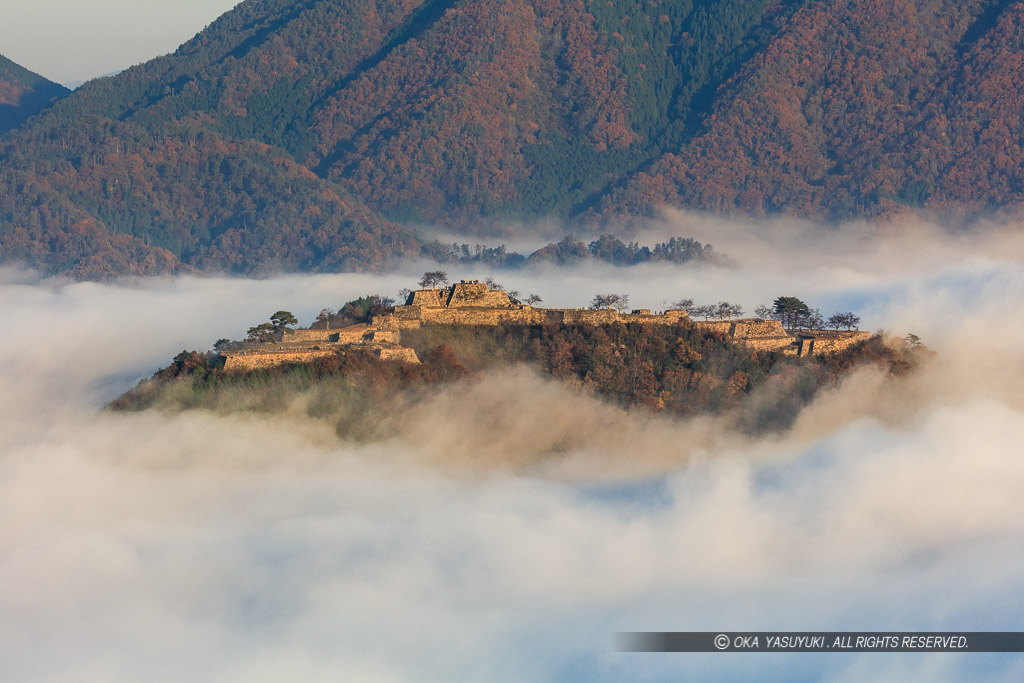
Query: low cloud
x=197, y=546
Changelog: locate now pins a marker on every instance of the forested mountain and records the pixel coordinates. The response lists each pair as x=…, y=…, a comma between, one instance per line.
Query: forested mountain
x=23, y=93
x=860, y=108
x=318, y=134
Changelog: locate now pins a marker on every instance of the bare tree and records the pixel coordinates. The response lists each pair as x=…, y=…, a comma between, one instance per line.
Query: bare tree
x=683, y=305
x=763, y=312
x=817, y=322
x=533, y=299
x=432, y=278
x=619, y=302
x=403, y=294
x=726, y=311
x=809, y=320
x=705, y=311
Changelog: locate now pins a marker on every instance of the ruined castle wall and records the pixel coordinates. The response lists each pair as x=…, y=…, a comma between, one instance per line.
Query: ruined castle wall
x=307, y=336
x=670, y=317
x=755, y=327
x=835, y=343
x=388, y=321
x=343, y=335
x=583, y=316
x=254, y=360
x=477, y=294
x=475, y=315
x=385, y=336
x=406, y=317
x=785, y=344
x=428, y=297
x=351, y=335
x=398, y=353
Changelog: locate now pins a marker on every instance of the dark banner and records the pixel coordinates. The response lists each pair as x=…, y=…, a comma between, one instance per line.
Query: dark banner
x=820, y=641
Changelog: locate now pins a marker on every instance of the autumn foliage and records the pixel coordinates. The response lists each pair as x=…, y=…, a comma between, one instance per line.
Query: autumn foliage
x=325, y=135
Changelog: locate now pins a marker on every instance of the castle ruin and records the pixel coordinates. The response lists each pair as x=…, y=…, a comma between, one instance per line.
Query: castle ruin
x=471, y=302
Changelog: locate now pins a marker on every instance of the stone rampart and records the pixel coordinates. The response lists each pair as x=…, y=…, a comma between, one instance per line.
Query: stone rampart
x=412, y=316
x=383, y=336
x=478, y=315
x=834, y=343
x=471, y=293
x=477, y=294
x=254, y=360
x=428, y=297
x=755, y=327
x=352, y=334
x=306, y=336
x=723, y=327
x=475, y=303
x=397, y=353
x=785, y=344
x=669, y=317
x=585, y=316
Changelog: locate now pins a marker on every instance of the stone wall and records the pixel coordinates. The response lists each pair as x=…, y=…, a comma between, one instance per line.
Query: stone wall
x=584, y=316
x=427, y=297
x=306, y=336
x=477, y=294
x=669, y=317
x=836, y=342
x=472, y=293
x=413, y=316
x=397, y=353
x=384, y=336
x=474, y=303
x=755, y=327
x=787, y=345
x=341, y=335
x=253, y=360
x=478, y=315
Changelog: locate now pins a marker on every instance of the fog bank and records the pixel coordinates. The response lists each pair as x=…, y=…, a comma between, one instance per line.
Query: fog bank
x=206, y=547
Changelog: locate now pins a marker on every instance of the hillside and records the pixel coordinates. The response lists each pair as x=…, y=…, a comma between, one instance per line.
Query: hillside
x=679, y=370
x=323, y=135
x=860, y=109
x=23, y=93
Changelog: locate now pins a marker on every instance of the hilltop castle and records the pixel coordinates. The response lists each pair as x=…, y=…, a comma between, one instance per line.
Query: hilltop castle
x=471, y=302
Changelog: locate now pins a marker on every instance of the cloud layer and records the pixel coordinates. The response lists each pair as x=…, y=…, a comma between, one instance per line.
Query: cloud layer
x=196, y=546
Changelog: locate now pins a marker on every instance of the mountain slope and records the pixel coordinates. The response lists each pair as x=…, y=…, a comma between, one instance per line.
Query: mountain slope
x=160, y=154
x=302, y=135
x=23, y=93
x=859, y=108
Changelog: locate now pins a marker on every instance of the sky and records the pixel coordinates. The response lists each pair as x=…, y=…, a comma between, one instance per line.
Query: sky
x=222, y=547
x=70, y=40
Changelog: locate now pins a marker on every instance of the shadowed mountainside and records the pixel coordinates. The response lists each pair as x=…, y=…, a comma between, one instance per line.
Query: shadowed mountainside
x=23, y=93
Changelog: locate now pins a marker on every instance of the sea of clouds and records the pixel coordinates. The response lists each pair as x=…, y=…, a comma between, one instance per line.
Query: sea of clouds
x=197, y=546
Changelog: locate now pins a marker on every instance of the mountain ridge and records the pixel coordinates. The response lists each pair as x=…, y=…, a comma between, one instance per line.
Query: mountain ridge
x=325, y=134
x=23, y=93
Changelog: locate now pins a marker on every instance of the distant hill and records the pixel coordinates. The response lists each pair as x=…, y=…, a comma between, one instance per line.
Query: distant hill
x=23, y=93
x=74, y=85
x=316, y=135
